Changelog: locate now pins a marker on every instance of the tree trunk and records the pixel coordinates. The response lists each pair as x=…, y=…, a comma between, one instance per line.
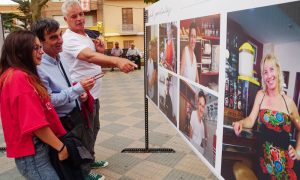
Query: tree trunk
x=36, y=8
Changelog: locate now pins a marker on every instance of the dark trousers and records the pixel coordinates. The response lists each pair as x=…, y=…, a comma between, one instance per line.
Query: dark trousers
x=136, y=60
x=95, y=125
x=75, y=122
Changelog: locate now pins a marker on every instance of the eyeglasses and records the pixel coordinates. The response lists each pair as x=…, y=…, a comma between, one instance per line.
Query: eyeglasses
x=37, y=47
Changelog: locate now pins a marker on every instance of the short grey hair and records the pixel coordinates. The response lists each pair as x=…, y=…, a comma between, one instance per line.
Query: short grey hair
x=67, y=4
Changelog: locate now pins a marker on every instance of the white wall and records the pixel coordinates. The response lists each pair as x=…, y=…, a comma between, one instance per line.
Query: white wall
x=288, y=55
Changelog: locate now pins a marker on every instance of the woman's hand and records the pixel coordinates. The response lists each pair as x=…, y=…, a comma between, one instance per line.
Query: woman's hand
x=293, y=153
x=64, y=154
x=237, y=127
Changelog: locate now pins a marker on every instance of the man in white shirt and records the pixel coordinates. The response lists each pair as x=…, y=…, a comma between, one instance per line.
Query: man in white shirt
x=116, y=51
x=134, y=55
x=197, y=132
x=85, y=57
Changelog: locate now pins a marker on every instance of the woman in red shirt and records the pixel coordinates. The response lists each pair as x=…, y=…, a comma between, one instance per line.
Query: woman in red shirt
x=29, y=120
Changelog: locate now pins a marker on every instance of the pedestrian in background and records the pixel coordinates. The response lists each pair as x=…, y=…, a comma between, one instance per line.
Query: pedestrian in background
x=116, y=51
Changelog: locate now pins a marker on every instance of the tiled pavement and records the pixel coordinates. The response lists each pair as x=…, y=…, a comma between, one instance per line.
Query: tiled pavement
x=122, y=126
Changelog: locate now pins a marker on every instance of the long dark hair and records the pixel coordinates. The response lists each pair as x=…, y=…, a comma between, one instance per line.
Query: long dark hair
x=17, y=54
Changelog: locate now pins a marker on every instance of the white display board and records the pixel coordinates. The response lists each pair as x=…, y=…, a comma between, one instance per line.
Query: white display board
x=197, y=79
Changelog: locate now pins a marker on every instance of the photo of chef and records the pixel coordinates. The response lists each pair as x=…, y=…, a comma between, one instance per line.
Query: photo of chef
x=151, y=63
x=168, y=93
x=168, y=46
x=200, y=50
x=261, y=120
x=198, y=118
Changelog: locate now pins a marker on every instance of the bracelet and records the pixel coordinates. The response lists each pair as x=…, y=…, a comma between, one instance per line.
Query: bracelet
x=62, y=148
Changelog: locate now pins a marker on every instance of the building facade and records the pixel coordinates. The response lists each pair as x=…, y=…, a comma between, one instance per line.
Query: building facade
x=117, y=20
x=123, y=22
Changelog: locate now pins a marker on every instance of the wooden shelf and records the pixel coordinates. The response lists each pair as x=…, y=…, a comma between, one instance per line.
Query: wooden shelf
x=199, y=39
x=232, y=114
x=211, y=37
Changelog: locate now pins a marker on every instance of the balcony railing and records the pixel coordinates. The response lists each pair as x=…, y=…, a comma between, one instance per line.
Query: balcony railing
x=127, y=27
x=130, y=28
x=124, y=29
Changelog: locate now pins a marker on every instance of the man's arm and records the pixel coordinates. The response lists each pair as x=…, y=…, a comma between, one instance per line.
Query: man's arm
x=90, y=56
x=64, y=96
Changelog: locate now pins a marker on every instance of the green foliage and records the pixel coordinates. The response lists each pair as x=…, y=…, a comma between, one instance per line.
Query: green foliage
x=31, y=11
x=8, y=19
x=24, y=6
x=26, y=18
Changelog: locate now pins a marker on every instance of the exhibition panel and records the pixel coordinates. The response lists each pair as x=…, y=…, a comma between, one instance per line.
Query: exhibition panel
x=207, y=73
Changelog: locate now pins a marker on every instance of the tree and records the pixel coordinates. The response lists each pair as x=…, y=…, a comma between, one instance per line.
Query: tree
x=36, y=7
x=24, y=7
x=31, y=10
x=8, y=21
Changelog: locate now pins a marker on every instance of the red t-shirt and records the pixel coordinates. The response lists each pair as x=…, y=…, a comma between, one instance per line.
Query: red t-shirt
x=23, y=112
x=169, y=52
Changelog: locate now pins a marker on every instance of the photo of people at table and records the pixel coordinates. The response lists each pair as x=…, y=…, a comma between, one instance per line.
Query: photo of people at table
x=261, y=119
x=200, y=50
x=198, y=118
x=168, y=93
x=168, y=46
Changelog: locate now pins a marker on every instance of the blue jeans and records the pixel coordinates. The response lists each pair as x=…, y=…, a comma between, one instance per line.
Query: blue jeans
x=38, y=166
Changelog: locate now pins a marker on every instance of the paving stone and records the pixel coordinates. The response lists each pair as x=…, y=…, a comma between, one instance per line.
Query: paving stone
x=117, y=143
x=113, y=128
x=122, y=120
x=181, y=175
x=158, y=138
x=167, y=159
x=12, y=174
x=121, y=163
x=112, y=116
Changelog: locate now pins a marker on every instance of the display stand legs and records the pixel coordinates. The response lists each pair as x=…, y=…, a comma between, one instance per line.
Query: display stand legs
x=147, y=149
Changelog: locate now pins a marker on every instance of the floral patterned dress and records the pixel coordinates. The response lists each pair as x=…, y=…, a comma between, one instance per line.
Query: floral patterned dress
x=274, y=136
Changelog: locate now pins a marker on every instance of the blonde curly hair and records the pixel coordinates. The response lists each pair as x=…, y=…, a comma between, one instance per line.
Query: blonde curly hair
x=272, y=58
